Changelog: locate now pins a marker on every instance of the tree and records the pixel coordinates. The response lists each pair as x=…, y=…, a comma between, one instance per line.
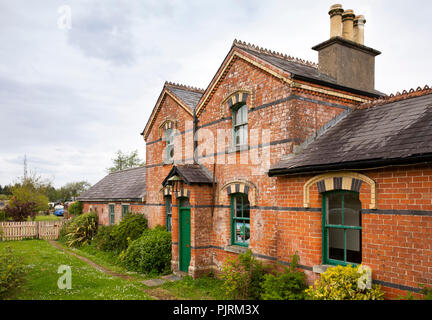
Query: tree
x=124, y=161
x=72, y=190
x=22, y=194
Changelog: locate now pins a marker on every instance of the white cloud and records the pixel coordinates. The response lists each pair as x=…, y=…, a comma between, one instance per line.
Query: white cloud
x=70, y=99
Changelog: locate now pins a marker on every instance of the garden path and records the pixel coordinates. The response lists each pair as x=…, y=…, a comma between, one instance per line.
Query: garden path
x=153, y=291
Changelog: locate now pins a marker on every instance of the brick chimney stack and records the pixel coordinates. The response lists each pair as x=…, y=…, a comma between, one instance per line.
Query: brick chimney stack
x=344, y=57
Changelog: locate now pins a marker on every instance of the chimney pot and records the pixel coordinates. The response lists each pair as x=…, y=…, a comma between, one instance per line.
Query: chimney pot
x=335, y=13
x=348, y=24
x=359, y=22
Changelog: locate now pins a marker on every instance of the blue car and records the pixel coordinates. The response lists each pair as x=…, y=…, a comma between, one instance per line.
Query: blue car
x=58, y=210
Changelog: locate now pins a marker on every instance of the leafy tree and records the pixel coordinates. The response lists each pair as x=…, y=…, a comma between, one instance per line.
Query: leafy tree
x=124, y=161
x=72, y=190
x=23, y=194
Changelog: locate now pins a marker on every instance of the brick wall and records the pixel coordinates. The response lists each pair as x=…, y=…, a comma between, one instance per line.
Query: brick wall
x=396, y=238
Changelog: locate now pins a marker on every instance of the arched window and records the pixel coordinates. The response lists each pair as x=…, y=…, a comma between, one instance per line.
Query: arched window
x=168, y=213
x=169, y=148
x=240, y=124
x=342, y=238
x=240, y=219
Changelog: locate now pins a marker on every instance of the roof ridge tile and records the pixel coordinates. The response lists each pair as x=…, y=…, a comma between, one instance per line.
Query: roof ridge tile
x=253, y=47
x=398, y=96
x=183, y=86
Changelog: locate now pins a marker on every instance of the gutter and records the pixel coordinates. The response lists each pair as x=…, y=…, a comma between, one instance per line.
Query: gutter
x=354, y=165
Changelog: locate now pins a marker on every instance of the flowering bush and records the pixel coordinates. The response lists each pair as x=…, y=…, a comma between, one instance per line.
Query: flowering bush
x=342, y=283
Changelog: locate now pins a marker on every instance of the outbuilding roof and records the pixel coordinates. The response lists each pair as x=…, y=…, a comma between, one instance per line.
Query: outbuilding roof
x=396, y=130
x=129, y=184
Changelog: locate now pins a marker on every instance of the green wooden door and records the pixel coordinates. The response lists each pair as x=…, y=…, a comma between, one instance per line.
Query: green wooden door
x=184, y=239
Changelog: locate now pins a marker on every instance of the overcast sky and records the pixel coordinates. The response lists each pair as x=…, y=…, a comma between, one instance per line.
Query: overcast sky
x=71, y=97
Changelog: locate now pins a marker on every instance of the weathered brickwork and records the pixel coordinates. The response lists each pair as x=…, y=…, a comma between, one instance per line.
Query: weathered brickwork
x=396, y=236
x=102, y=209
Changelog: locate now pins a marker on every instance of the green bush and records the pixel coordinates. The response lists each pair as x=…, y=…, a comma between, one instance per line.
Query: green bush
x=342, y=283
x=243, y=277
x=151, y=253
x=287, y=285
x=81, y=230
x=75, y=208
x=3, y=216
x=12, y=272
x=130, y=228
x=104, y=240
x=64, y=231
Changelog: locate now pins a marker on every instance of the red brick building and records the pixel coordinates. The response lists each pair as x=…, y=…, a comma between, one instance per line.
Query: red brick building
x=283, y=156
x=115, y=195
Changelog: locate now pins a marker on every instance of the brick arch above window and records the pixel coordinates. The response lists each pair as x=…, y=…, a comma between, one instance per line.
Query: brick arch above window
x=351, y=181
x=183, y=193
x=238, y=96
x=166, y=191
x=166, y=125
x=239, y=186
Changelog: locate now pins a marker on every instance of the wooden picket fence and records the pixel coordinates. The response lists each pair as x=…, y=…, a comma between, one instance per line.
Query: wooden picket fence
x=48, y=230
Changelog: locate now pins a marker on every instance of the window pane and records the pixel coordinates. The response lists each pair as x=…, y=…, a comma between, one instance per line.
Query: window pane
x=336, y=244
x=246, y=209
x=334, y=208
x=237, y=206
x=242, y=231
x=353, y=239
x=352, y=208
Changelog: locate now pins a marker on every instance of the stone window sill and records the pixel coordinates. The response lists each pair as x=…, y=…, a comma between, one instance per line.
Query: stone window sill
x=242, y=147
x=236, y=249
x=321, y=268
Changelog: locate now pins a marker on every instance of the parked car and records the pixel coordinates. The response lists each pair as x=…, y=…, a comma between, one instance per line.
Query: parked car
x=59, y=210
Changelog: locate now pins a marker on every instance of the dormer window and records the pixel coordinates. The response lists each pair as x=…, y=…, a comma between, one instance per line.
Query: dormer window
x=240, y=125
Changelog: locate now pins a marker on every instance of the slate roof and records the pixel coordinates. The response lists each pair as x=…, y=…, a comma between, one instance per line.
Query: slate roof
x=190, y=173
x=392, y=131
x=189, y=95
x=121, y=185
x=299, y=68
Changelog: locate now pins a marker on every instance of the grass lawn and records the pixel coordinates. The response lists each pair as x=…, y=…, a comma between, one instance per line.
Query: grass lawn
x=43, y=260
x=50, y=217
x=205, y=288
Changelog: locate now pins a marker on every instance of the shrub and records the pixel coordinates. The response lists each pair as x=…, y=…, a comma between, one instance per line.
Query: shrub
x=64, y=231
x=151, y=253
x=11, y=272
x=342, y=283
x=75, y=208
x=243, y=276
x=287, y=285
x=81, y=230
x=20, y=210
x=130, y=228
x=104, y=240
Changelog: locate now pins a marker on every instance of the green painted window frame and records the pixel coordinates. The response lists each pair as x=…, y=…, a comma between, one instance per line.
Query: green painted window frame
x=235, y=220
x=326, y=227
x=242, y=126
x=169, y=140
x=123, y=209
x=111, y=214
x=168, y=213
